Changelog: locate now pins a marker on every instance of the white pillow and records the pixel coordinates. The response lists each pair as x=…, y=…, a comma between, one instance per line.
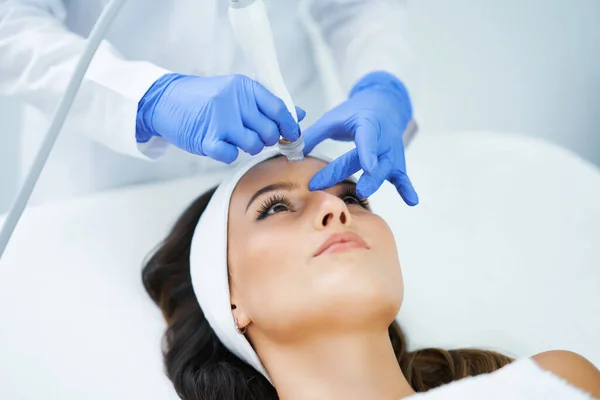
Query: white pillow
x=502, y=252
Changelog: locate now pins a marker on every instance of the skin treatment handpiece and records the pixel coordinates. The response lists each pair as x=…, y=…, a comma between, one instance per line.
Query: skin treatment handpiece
x=252, y=29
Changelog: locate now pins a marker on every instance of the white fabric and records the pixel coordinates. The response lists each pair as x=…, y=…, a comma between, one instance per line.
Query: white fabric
x=40, y=41
x=522, y=380
x=501, y=253
x=209, y=266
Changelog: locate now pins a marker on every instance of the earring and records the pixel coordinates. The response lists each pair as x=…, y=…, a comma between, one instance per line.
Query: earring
x=240, y=331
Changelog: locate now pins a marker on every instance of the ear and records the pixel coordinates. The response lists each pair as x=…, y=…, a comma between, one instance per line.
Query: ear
x=240, y=316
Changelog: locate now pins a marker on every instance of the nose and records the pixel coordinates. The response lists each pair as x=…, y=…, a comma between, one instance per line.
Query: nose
x=331, y=211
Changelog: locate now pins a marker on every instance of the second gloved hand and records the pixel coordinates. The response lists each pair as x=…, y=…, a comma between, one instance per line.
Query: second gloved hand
x=214, y=116
x=375, y=117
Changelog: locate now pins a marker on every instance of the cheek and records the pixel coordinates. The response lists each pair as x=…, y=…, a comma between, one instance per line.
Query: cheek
x=394, y=265
x=386, y=257
x=266, y=270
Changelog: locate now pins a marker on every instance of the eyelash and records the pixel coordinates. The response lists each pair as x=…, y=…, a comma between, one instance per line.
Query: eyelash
x=280, y=199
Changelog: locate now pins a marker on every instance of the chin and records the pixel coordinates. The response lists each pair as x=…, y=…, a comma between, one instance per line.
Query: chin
x=360, y=289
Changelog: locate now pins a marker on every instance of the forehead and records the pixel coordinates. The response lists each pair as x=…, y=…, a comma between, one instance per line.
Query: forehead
x=276, y=170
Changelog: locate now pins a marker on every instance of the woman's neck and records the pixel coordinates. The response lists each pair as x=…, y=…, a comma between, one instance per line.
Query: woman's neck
x=350, y=366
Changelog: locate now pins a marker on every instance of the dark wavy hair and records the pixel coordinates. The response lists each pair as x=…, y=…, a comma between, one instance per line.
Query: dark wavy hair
x=201, y=368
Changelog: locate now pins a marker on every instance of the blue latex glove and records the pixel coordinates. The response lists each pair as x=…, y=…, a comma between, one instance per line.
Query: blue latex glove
x=214, y=116
x=375, y=116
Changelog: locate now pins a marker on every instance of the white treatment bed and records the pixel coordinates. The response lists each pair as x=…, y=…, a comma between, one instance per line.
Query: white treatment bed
x=503, y=253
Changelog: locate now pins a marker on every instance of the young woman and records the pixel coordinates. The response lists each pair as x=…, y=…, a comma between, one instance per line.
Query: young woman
x=313, y=285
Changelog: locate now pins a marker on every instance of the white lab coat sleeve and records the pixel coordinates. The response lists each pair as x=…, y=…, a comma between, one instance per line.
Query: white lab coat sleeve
x=364, y=36
x=38, y=55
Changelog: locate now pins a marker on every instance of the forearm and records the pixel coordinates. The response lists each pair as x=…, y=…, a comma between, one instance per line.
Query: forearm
x=365, y=36
x=38, y=55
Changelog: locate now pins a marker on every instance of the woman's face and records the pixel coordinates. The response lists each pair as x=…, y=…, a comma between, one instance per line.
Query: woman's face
x=301, y=261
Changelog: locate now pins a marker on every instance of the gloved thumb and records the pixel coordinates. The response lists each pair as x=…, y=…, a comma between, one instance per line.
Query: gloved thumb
x=300, y=113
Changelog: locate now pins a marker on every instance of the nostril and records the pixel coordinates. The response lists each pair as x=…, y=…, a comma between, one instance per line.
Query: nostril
x=330, y=217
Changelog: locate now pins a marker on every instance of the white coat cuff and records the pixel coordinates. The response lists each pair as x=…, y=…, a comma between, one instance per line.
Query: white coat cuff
x=154, y=148
x=124, y=83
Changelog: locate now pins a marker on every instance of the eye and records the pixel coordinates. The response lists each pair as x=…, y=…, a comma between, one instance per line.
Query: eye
x=350, y=197
x=274, y=205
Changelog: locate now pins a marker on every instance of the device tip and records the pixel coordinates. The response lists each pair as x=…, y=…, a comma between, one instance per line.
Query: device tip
x=293, y=151
x=295, y=158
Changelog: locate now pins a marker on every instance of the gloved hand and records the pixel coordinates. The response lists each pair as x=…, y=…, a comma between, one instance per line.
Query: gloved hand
x=375, y=116
x=214, y=116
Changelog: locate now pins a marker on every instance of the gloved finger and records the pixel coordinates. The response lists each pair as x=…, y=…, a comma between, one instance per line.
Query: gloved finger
x=404, y=187
x=366, y=138
x=336, y=171
x=369, y=183
x=244, y=138
x=322, y=129
x=220, y=151
x=300, y=113
x=274, y=108
x=267, y=130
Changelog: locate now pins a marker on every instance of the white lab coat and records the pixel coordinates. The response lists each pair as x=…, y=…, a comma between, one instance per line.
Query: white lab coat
x=41, y=41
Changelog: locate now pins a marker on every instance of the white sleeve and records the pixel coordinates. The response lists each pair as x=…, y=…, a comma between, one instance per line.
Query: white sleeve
x=38, y=55
x=364, y=36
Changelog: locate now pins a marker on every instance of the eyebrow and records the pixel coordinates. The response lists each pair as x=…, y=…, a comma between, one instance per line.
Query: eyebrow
x=287, y=186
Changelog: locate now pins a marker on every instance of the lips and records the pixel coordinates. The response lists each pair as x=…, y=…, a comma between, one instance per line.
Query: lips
x=341, y=241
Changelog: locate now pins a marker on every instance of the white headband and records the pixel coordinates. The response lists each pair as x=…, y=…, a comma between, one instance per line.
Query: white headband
x=208, y=264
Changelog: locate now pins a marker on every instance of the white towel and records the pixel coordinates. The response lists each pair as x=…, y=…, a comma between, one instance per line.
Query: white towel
x=521, y=380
